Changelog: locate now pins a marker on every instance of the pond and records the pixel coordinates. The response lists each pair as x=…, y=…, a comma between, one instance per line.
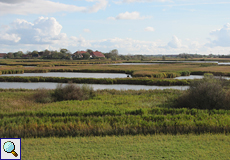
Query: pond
x=163, y=62
x=71, y=75
x=224, y=63
x=198, y=77
x=186, y=61
x=133, y=64
x=18, y=85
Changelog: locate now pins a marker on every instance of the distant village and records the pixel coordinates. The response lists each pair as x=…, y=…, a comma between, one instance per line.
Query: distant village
x=90, y=54
x=46, y=54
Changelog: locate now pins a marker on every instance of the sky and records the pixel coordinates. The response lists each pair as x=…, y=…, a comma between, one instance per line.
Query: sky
x=147, y=27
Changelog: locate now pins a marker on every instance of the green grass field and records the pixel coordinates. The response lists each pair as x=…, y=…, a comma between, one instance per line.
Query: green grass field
x=202, y=147
x=110, y=112
x=114, y=124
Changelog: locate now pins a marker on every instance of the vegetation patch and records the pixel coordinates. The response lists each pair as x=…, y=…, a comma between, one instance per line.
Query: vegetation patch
x=61, y=93
x=207, y=93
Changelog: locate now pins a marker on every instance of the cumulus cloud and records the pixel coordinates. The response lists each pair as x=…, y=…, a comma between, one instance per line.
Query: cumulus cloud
x=128, y=15
x=80, y=42
x=175, y=42
x=13, y=1
x=44, y=30
x=100, y=4
x=142, y=1
x=221, y=37
x=150, y=29
x=24, y=7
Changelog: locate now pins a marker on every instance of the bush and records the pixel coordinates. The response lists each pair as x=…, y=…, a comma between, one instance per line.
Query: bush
x=207, y=93
x=43, y=96
x=61, y=93
x=72, y=92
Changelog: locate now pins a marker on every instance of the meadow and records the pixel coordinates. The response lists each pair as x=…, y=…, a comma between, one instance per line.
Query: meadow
x=173, y=147
x=170, y=70
x=114, y=124
x=110, y=112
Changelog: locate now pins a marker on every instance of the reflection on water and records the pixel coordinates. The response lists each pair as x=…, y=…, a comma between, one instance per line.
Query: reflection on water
x=187, y=61
x=134, y=64
x=224, y=63
x=198, y=77
x=17, y=85
x=71, y=75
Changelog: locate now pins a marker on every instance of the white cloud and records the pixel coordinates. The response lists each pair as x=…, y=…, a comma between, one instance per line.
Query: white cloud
x=141, y=1
x=221, y=37
x=175, y=42
x=128, y=15
x=131, y=1
x=101, y=4
x=86, y=30
x=150, y=29
x=44, y=30
x=25, y=7
x=79, y=42
x=13, y=1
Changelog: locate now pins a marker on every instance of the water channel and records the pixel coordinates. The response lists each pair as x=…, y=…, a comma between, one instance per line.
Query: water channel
x=71, y=75
x=32, y=85
x=199, y=77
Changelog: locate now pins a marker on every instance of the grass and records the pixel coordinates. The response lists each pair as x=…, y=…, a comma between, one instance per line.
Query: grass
x=137, y=81
x=110, y=112
x=153, y=71
x=176, y=147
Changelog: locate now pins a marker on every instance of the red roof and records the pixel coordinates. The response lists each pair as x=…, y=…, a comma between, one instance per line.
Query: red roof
x=97, y=54
x=25, y=55
x=2, y=54
x=80, y=52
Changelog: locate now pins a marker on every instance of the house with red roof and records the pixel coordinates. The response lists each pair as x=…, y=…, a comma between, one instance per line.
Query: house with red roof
x=96, y=54
x=2, y=55
x=78, y=54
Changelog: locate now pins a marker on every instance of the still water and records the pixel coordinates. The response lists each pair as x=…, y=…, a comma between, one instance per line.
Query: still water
x=198, y=77
x=165, y=62
x=71, y=75
x=18, y=85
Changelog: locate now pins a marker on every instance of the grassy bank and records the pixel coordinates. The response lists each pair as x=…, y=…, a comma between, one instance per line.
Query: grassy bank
x=110, y=112
x=137, y=81
x=153, y=71
x=195, y=147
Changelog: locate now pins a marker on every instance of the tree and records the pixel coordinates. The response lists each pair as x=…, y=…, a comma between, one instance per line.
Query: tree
x=89, y=51
x=114, y=52
x=34, y=53
x=65, y=51
x=46, y=53
x=18, y=54
x=10, y=55
x=163, y=58
x=86, y=55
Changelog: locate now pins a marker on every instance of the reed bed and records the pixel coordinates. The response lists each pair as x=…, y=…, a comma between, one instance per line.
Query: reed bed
x=113, y=125
x=136, y=81
x=110, y=112
x=154, y=71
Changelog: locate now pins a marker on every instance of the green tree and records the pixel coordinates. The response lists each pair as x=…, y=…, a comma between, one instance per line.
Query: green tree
x=46, y=53
x=18, y=54
x=86, y=55
x=10, y=55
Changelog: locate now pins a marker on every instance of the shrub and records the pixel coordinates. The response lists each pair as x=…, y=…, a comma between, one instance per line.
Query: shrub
x=67, y=92
x=207, y=93
x=43, y=96
x=72, y=92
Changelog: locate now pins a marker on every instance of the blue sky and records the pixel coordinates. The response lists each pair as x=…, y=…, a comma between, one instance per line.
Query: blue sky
x=130, y=26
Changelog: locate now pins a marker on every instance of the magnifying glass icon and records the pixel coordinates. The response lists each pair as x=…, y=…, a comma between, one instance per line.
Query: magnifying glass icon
x=9, y=147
